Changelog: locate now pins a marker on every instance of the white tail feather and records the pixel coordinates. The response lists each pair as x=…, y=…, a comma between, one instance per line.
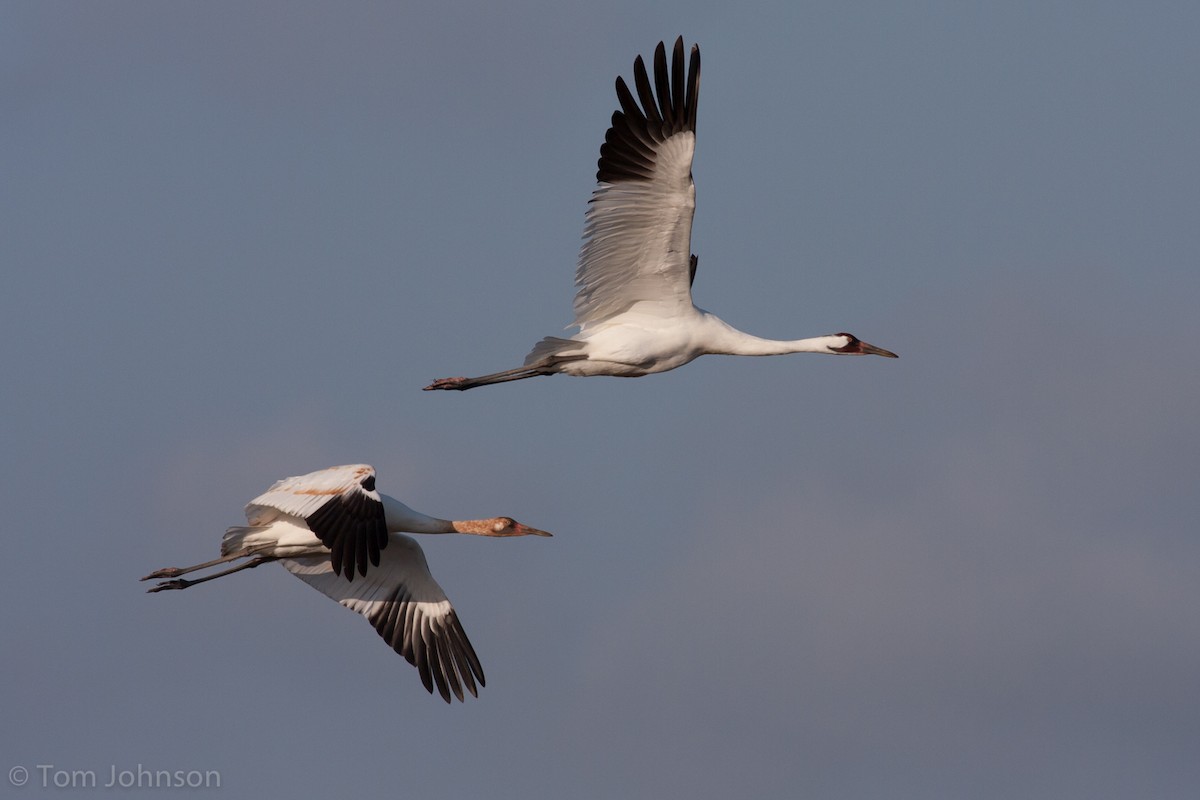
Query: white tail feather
x=241, y=541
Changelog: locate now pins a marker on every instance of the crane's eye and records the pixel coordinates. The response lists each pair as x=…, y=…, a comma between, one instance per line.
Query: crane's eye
x=369, y=483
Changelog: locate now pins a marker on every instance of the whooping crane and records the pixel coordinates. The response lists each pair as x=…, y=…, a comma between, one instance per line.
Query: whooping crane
x=634, y=307
x=325, y=527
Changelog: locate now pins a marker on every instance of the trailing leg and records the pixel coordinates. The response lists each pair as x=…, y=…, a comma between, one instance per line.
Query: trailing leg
x=175, y=572
x=181, y=583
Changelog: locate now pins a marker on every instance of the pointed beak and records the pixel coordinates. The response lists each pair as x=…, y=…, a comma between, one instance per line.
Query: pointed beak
x=525, y=530
x=872, y=350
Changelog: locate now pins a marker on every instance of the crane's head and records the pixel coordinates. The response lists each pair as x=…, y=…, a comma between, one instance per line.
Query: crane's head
x=507, y=526
x=853, y=346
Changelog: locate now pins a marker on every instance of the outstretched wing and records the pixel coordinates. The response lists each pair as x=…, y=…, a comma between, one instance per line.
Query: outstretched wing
x=638, y=227
x=340, y=506
x=408, y=609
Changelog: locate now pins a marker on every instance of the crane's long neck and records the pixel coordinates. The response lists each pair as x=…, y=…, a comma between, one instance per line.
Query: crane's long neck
x=728, y=340
x=401, y=518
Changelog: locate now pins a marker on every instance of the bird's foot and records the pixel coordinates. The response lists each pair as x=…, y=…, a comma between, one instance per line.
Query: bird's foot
x=165, y=572
x=447, y=383
x=178, y=583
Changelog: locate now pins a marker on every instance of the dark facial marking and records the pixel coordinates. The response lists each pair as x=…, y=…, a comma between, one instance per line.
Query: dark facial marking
x=851, y=346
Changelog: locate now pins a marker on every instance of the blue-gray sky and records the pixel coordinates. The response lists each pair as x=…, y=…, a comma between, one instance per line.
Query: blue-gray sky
x=240, y=237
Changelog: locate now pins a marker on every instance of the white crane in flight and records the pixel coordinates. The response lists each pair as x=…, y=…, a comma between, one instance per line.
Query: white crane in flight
x=334, y=531
x=634, y=307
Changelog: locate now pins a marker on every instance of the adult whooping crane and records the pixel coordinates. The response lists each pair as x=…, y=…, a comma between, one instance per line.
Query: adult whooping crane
x=334, y=531
x=634, y=308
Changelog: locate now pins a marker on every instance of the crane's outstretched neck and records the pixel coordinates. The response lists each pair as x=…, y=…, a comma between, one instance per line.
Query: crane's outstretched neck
x=748, y=345
x=402, y=519
x=728, y=340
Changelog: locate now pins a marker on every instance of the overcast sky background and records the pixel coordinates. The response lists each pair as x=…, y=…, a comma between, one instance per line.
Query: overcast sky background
x=238, y=238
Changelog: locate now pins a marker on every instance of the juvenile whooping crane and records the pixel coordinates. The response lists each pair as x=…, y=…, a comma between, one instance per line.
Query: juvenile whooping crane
x=634, y=308
x=334, y=531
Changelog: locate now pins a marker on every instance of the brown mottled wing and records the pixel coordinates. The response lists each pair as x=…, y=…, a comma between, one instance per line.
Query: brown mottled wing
x=340, y=506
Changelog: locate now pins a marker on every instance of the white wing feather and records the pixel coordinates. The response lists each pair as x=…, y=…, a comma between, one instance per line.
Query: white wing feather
x=340, y=506
x=408, y=609
x=638, y=227
x=638, y=241
x=300, y=495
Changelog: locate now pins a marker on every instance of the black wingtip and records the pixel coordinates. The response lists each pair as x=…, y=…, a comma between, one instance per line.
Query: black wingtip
x=662, y=108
